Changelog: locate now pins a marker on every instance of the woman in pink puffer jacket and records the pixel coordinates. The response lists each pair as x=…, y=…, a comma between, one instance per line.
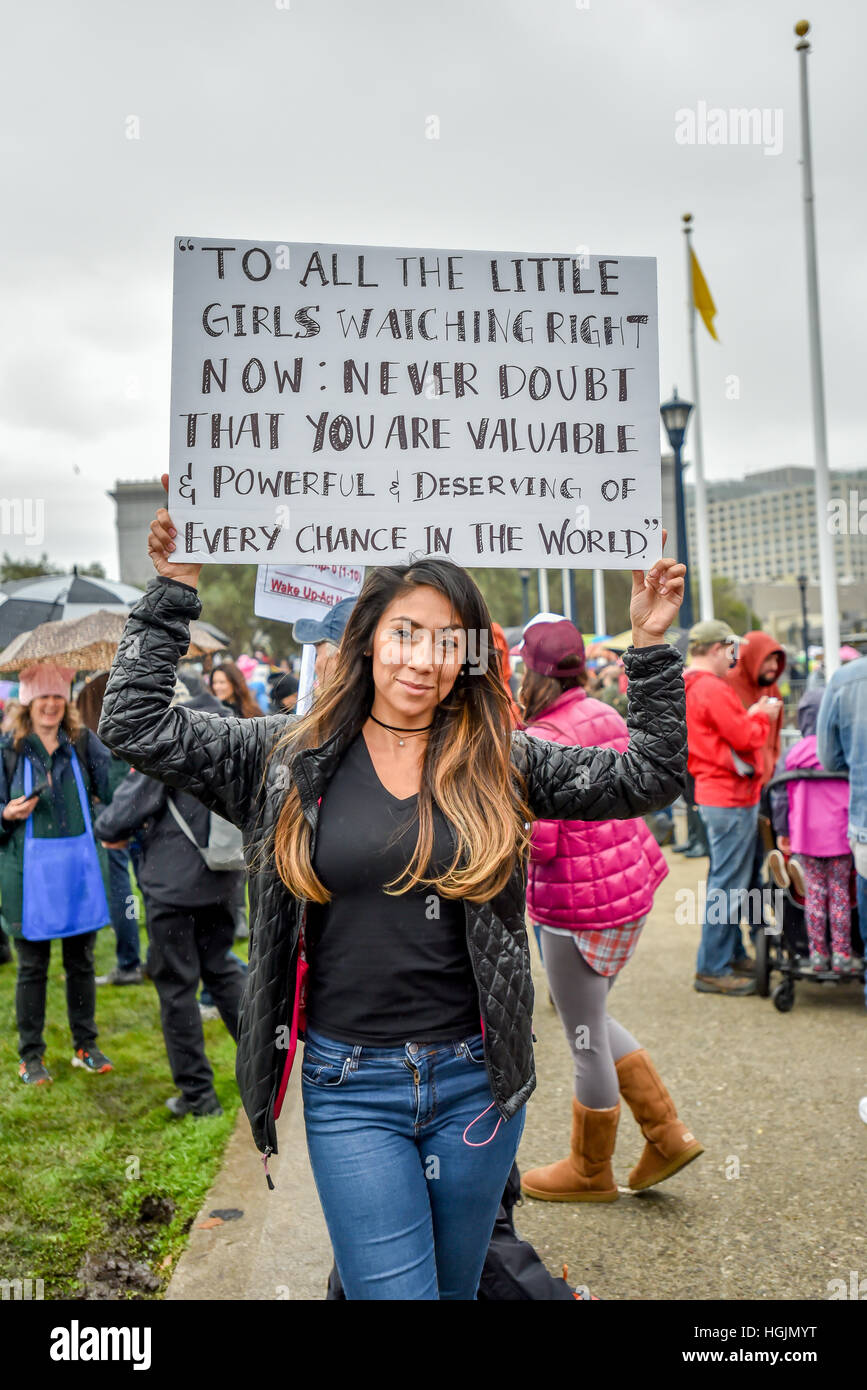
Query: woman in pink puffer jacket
x=590, y=888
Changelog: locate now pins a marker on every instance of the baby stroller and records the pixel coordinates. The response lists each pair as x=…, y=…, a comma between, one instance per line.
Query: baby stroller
x=782, y=946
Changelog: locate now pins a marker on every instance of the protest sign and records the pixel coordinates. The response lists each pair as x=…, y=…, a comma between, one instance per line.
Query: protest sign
x=367, y=405
x=286, y=592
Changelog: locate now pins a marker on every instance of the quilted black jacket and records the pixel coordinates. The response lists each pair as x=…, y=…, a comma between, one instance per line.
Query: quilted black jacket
x=222, y=762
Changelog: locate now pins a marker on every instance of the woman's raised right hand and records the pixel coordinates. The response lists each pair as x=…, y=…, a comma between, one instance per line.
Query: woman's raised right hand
x=161, y=543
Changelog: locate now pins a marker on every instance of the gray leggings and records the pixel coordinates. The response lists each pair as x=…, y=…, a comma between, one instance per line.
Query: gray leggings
x=597, y=1040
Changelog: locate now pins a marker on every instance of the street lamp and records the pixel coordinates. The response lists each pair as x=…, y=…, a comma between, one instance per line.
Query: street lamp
x=675, y=415
x=525, y=594
x=802, y=585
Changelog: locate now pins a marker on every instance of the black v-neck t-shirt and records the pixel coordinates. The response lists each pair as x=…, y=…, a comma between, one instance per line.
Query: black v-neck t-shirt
x=384, y=970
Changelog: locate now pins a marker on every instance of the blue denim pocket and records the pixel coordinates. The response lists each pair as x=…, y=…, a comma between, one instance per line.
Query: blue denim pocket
x=318, y=1069
x=474, y=1049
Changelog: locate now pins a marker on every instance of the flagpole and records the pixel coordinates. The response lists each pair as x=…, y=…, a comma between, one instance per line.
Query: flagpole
x=544, y=601
x=827, y=569
x=702, y=534
x=599, y=623
x=567, y=594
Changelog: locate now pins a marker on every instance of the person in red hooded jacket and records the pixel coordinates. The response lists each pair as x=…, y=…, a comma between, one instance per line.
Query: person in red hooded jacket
x=761, y=661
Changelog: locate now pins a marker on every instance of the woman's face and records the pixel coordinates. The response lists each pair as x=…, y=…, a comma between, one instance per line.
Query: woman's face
x=417, y=652
x=47, y=711
x=221, y=685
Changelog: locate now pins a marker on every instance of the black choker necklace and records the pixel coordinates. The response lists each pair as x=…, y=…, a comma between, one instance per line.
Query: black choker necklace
x=396, y=729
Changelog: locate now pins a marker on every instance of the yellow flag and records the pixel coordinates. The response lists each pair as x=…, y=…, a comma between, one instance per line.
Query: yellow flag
x=701, y=296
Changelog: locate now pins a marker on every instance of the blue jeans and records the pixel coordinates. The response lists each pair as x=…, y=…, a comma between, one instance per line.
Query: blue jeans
x=124, y=909
x=731, y=838
x=409, y=1205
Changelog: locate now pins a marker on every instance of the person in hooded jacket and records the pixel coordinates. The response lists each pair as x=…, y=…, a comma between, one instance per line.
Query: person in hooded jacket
x=760, y=663
x=189, y=911
x=386, y=834
x=591, y=885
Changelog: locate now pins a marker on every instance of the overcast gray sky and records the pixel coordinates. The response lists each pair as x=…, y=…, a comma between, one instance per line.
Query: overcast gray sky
x=306, y=120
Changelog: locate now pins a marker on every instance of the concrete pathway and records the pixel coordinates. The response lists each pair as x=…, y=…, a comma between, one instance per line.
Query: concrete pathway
x=773, y=1209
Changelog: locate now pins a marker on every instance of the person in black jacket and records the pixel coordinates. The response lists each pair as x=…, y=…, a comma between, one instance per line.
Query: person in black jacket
x=387, y=832
x=189, y=913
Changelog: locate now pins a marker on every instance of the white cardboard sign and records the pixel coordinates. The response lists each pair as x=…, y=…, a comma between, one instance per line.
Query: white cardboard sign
x=367, y=405
x=287, y=592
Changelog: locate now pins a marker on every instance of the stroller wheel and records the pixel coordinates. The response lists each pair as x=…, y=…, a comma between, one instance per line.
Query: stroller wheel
x=784, y=996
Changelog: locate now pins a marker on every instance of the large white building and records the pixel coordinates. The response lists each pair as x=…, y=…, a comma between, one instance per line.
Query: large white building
x=763, y=536
x=762, y=528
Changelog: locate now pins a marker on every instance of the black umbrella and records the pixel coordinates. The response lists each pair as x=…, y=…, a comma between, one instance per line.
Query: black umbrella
x=49, y=598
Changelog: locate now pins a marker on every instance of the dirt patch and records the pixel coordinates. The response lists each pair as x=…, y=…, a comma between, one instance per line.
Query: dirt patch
x=157, y=1209
x=114, y=1277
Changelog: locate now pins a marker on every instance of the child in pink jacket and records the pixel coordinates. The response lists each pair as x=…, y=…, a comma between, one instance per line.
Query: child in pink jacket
x=590, y=887
x=811, y=818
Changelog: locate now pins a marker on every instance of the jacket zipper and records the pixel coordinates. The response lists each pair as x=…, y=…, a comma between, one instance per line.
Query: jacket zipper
x=481, y=1012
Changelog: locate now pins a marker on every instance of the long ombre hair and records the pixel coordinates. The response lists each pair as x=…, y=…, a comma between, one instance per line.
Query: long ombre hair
x=467, y=769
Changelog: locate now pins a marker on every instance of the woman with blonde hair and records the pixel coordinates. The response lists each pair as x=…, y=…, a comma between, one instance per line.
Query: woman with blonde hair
x=52, y=872
x=386, y=835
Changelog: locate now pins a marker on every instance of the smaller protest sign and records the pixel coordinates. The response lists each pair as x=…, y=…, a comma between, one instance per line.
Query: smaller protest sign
x=287, y=592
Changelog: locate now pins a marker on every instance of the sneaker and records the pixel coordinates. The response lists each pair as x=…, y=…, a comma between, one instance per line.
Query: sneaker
x=208, y=1012
x=32, y=1072
x=818, y=963
x=777, y=868
x=91, y=1059
x=843, y=965
x=179, y=1107
x=796, y=878
x=122, y=977
x=724, y=984
x=743, y=965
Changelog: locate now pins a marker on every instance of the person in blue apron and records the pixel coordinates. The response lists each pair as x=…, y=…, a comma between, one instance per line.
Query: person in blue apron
x=52, y=880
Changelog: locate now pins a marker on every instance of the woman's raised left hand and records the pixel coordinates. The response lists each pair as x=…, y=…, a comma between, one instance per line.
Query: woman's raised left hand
x=656, y=598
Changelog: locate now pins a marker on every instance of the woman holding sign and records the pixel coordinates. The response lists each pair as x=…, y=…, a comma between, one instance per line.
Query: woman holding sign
x=387, y=834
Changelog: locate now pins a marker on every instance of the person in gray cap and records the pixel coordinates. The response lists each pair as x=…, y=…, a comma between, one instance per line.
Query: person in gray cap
x=725, y=759
x=325, y=636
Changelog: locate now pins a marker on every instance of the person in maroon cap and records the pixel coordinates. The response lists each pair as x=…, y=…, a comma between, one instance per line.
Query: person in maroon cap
x=590, y=888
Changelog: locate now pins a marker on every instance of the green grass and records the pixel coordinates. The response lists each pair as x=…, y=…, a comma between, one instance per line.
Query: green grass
x=78, y=1157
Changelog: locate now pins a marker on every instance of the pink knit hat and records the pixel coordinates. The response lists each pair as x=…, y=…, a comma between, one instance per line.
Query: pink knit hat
x=45, y=679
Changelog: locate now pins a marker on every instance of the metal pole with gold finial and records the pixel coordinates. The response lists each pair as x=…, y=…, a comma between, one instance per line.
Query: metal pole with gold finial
x=702, y=532
x=827, y=568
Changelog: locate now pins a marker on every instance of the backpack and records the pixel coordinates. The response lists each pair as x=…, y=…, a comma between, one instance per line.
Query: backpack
x=224, y=852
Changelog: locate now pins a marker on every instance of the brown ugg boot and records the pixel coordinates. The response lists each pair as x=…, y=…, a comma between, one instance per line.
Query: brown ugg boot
x=585, y=1176
x=670, y=1146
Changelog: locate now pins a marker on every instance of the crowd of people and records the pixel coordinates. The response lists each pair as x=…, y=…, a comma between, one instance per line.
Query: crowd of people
x=394, y=840
x=737, y=770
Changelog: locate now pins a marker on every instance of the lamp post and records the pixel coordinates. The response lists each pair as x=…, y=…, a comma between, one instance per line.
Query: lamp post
x=805, y=625
x=525, y=594
x=675, y=415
